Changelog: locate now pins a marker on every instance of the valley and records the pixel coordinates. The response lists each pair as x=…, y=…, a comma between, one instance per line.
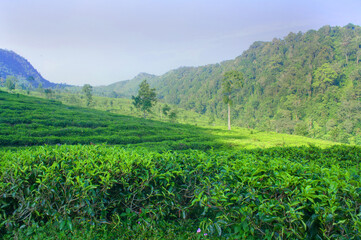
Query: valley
x=113, y=162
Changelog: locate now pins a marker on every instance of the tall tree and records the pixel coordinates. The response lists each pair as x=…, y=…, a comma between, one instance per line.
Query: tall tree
x=146, y=98
x=87, y=90
x=232, y=81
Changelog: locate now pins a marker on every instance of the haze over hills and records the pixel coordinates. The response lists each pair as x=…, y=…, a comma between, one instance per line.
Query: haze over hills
x=12, y=64
x=307, y=83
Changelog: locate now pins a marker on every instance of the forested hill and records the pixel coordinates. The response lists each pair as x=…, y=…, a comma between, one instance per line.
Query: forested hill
x=306, y=83
x=124, y=89
x=12, y=64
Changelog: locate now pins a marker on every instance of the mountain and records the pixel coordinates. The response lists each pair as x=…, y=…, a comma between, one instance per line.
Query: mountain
x=306, y=84
x=12, y=64
x=124, y=89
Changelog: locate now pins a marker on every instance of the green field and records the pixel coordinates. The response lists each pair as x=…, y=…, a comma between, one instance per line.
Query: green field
x=124, y=106
x=75, y=173
x=27, y=121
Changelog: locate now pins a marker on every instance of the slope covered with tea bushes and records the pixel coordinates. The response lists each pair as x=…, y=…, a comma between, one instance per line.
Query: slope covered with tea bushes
x=34, y=121
x=27, y=121
x=277, y=193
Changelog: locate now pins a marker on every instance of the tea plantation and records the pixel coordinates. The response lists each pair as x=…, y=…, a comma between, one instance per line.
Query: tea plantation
x=74, y=173
x=28, y=121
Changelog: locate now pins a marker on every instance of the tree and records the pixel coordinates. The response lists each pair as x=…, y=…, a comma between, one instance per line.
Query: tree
x=87, y=90
x=232, y=81
x=173, y=116
x=48, y=92
x=31, y=80
x=324, y=76
x=10, y=82
x=40, y=87
x=146, y=98
x=165, y=110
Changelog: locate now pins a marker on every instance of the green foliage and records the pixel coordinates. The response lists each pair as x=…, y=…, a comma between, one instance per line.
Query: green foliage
x=48, y=93
x=324, y=76
x=87, y=90
x=146, y=98
x=232, y=81
x=310, y=77
x=40, y=88
x=282, y=193
x=165, y=109
x=10, y=82
x=301, y=129
x=173, y=116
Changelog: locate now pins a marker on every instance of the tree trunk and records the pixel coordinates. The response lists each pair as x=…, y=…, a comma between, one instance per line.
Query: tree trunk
x=229, y=116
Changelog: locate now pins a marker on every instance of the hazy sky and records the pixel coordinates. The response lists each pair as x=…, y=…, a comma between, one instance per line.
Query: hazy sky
x=104, y=41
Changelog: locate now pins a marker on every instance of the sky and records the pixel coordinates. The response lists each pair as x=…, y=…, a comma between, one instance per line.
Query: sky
x=100, y=42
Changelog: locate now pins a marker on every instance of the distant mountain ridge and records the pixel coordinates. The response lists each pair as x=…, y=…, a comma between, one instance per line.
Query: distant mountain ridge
x=12, y=64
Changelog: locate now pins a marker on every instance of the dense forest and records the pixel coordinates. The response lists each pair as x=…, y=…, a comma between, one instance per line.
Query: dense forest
x=306, y=84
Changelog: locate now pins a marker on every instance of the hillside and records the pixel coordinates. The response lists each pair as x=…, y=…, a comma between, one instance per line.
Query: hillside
x=123, y=89
x=306, y=83
x=12, y=64
x=26, y=121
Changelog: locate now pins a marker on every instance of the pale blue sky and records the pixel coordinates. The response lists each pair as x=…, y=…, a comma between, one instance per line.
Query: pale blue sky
x=104, y=41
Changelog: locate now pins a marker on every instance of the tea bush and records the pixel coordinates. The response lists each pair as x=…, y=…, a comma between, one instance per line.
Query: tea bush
x=276, y=193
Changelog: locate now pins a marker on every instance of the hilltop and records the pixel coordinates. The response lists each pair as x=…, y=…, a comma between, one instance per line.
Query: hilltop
x=124, y=89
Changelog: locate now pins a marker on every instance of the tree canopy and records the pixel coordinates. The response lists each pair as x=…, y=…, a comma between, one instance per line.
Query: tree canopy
x=87, y=90
x=232, y=81
x=145, y=99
